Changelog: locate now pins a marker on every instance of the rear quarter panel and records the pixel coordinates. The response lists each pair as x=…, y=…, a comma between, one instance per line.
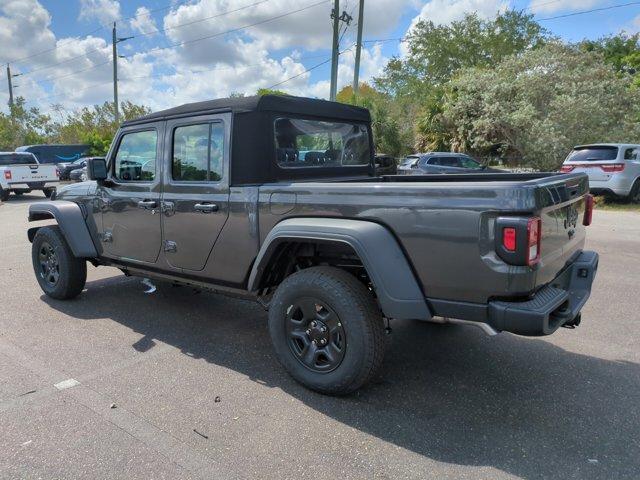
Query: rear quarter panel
x=445, y=229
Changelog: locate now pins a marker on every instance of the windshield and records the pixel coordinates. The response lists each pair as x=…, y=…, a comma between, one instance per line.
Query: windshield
x=17, y=159
x=315, y=143
x=590, y=154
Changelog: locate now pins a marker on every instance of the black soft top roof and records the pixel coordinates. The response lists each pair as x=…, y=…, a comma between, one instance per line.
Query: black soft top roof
x=265, y=103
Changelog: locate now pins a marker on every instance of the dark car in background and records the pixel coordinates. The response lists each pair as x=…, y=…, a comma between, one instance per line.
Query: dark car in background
x=385, y=164
x=56, y=153
x=66, y=168
x=441, y=162
x=80, y=174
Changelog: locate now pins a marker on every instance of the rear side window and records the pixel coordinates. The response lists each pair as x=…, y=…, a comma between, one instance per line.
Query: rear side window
x=198, y=153
x=136, y=157
x=632, y=154
x=593, y=154
x=17, y=159
x=315, y=143
x=445, y=161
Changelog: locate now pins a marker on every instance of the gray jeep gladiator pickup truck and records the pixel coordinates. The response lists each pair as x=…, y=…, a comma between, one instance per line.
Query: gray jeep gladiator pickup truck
x=275, y=198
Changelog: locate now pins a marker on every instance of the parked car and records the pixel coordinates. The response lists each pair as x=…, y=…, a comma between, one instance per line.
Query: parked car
x=80, y=174
x=613, y=168
x=385, y=164
x=441, y=162
x=329, y=248
x=20, y=172
x=65, y=168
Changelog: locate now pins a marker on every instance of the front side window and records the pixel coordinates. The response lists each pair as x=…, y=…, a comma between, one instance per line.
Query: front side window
x=198, y=152
x=136, y=157
x=315, y=143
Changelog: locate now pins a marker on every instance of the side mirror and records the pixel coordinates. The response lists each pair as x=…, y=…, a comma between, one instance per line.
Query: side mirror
x=97, y=169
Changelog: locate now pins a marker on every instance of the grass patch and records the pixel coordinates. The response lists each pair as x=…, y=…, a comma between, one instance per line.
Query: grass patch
x=608, y=203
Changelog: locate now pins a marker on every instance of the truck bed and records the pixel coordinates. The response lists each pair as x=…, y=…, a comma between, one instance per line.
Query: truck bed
x=446, y=223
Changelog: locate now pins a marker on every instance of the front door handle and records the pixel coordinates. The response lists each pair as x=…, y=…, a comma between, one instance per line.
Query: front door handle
x=147, y=204
x=205, y=207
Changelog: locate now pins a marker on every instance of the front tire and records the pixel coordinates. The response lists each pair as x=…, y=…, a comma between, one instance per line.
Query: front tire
x=48, y=192
x=327, y=330
x=60, y=274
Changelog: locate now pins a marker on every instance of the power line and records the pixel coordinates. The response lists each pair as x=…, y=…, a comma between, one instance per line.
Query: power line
x=237, y=29
x=601, y=9
x=180, y=25
x=299, y=74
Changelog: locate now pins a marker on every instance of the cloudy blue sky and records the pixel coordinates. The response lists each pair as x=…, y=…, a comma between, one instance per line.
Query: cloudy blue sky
x=190, y=50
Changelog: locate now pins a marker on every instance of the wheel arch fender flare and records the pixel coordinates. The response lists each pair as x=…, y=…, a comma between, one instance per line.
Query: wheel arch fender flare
x=71, y=220
x=397, y=289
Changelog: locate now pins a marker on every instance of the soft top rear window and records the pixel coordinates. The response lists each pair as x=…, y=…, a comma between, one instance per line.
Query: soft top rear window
x=304, y=143
x=17, y=159
x=593, y=154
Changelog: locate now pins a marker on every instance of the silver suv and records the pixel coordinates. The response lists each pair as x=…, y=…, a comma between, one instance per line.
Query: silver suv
x=613, y=168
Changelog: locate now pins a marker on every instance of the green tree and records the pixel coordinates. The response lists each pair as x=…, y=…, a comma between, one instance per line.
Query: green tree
x=387, y=134
x=94, y=125
x=435, y=53
x=532, y=108
x=23, y=126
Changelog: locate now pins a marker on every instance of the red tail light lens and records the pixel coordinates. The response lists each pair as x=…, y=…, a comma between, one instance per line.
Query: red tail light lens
x=509, y=239
x=534, y=232
x=7, y=174
x=588, y=210
x=613, y=168
x=566, y=168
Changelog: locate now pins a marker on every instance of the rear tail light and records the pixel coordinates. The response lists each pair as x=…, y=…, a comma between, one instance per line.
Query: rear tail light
x=606, y=167
x=518, y=240
x=588, y=210
x=612, y=167
x=534, y=232
x=509, y=239
x=7, y=174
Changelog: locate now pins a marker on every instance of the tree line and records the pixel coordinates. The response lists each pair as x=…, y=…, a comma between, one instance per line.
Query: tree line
x=504, y=89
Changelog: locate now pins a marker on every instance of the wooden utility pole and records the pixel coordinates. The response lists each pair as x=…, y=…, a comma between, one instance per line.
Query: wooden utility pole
x=356, y=69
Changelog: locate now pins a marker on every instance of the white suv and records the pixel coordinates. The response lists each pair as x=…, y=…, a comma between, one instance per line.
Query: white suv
x=613, y=168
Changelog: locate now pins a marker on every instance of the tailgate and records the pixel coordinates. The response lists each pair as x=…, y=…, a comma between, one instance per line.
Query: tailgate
x=32, y=173
x=562, y=203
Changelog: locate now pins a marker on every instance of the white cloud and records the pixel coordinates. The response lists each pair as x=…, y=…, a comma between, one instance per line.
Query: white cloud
x=24, y=29
x=143, y=22
x=442, y=12
x=551, y=6
x=105, y=11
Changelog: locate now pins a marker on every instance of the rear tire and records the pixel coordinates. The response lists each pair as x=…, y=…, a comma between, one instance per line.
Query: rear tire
x=48, y=192
x=60, y=274
x=634, y=195
x=4, y=195
x=332, y=308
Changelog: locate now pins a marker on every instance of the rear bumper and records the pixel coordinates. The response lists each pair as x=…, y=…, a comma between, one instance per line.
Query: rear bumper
x=618, y=185
x=33, y=185
x=556, y=304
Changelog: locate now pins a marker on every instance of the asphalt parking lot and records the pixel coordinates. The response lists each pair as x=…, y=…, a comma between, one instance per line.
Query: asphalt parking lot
x=179, y=384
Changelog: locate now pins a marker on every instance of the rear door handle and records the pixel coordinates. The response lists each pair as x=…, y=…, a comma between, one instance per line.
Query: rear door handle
x=205, y=207
x=147, y=204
